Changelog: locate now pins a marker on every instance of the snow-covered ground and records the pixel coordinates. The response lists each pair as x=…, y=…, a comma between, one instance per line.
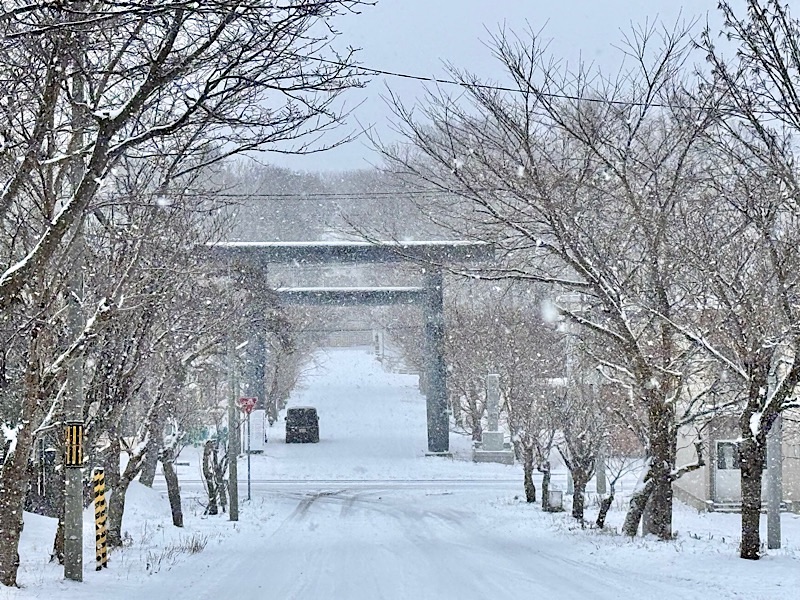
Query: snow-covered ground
x=365, y=514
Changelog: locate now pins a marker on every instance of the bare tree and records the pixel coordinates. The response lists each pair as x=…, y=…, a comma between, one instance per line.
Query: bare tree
x=753, y=275
x=580, y=181
x=582, y=422
x=617, y=467
x=88, y=86
x=533, y=433
x=150, y=73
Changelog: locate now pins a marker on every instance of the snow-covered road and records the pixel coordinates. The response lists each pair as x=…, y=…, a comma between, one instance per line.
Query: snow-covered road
x=365, y=515
x=392, y=542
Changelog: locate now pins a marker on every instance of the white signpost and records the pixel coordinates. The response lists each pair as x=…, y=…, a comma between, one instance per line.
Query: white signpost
x=258, y=431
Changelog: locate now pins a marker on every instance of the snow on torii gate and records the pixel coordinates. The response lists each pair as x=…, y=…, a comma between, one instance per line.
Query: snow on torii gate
x=433, y=254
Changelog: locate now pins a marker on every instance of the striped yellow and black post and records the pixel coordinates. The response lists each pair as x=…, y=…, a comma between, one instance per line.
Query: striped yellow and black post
x=100, y=513
x=74, y=444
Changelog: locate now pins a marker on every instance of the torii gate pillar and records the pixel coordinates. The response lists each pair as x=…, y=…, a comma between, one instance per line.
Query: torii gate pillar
x=435, y=370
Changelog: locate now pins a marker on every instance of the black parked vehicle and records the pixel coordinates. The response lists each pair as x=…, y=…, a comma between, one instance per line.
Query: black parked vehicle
x=302, y=425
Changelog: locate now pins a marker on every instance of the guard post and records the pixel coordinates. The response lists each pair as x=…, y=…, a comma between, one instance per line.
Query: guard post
x=100, y=515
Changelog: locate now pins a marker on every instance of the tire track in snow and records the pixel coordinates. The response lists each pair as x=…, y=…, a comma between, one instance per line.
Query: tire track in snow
x=304, y=506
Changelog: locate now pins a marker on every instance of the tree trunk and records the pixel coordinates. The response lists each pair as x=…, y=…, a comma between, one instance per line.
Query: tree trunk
x=477, y=428
x=458, y=413
x=474, y=413
x=116, y=508
x=579, y=495
x=173, y=487
x=527, y=467
x=657, y=516
x=210, y=477
x=219, y=473
x=272, y=396
x=605, y=506
x=272, y=410
x=638, y=502
x=110, y=462
x=13, y=484
x=60, y=484
x=545, y=470
x=111, y=469
x=116, y=501
x=149, y=468
x=658, y=508
x=14, y=473
x=58, y=543
x=4, y=447
x=155, y=438
x=752, y=458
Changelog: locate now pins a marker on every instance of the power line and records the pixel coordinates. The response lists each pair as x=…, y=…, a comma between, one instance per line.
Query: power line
x=363, y=330
x=306, y=196
x=326, y=195
x=315, y=196
x=500, y=88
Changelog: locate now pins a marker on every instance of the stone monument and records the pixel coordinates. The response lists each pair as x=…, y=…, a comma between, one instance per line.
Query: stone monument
x=492, y=447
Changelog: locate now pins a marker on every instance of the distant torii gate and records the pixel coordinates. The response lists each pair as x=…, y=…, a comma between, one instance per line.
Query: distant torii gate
x=432, y=254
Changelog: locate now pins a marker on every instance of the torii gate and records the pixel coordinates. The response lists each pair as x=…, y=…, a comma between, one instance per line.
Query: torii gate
x=433, y=254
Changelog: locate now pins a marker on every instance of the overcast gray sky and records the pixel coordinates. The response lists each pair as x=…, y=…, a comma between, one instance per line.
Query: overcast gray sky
x=418, y=36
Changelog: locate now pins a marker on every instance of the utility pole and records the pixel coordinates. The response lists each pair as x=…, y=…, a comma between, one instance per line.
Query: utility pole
x=73, y=399
x=233, y=434
x=774, y=491
x=601, y=485
x=573, y=303
x=774, y=484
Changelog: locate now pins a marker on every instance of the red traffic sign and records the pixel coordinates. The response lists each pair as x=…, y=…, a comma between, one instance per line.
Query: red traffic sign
x=247, y=405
